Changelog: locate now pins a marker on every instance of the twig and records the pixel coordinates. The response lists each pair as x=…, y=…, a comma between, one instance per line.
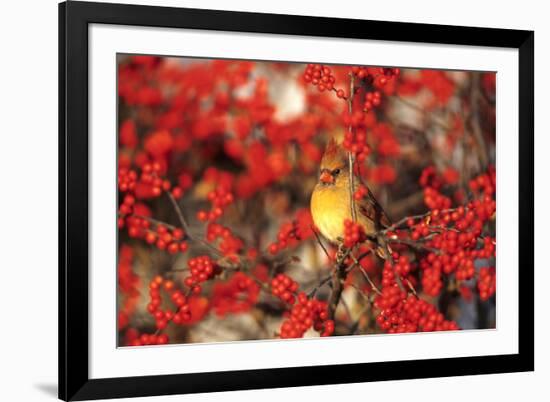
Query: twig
x=185, y=226
x=338, y=278
x=404, y=220
x=177, y=208
x=415, y=244
x=431, y=116
x=187, y=294
x=369, y=280
x=361, y=256
x=323, y=281
x=155, y=221
x=388, y=257
x=320, y=242
x=350, y=155
x=362, y=294
x=411, y=287
x=340, y=273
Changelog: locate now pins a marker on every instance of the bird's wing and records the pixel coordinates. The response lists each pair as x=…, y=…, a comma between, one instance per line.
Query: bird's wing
x=370, y=208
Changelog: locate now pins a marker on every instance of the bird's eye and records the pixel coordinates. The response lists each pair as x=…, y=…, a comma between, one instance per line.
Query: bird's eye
x=336, y=171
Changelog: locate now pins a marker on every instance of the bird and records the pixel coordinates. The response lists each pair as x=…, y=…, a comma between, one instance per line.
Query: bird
x=330, y=202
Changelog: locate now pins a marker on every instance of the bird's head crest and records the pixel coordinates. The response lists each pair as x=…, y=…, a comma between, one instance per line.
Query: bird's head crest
x=334, y=156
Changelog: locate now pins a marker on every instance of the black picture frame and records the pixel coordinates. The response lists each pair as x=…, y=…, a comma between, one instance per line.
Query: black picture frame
x=74, y=19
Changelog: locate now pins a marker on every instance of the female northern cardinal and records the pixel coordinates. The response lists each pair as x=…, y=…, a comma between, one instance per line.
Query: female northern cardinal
x=330, y=200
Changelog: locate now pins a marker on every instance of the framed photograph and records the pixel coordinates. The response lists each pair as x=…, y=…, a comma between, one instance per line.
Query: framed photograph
x=256, y=200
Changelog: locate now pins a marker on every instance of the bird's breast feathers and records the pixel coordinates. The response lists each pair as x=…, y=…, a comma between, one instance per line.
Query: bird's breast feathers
x=329, y=208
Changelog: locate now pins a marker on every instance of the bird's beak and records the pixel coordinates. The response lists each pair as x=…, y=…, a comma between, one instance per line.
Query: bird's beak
x=326, y=177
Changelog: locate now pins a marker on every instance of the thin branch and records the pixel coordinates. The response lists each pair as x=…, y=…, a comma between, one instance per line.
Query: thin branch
x=155, y=221
x=431, y=116
x=411, y=287
x=177, y=208
x=350, y=155
x=320, y=242
x=338, y=278
x=340, y=273
x=415, y=244
x=388, y=257
x=185, y=226
x=404, y=220
x=323, y=281
x=361, y=256
x=187, y=294
x=369, y=280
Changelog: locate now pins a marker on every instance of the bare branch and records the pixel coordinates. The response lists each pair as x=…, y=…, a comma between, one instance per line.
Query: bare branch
x=323, y=281
x=369, y=280
x=185, y=227
x=350, y=155
x=320, y=242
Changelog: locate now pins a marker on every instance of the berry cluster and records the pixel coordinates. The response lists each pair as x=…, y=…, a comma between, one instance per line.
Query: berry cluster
x=286, y=237
x=292, y=233
x=435, y=200
x=305, y=314
x=432, y=284
x=237, y=295
x=377, y=76
x=149, y=184
x=150, y=175
x=432, y=183
x=202, y=268
x=163, y=236
x=220, y=198
x=127, y=179
x=353, y=233
x=230, y=244
x=127, y=206
x=128, y=283
x=136, y=339
x=484, y=183
x=191, y=309
x=430, y=178
x=322, y=77
x=169, y=238
x=188, y=309
x=399, y=312
x=421, y=229
x=402, y=265
x=397, y=264
x=465, y=269
x=457, y=235
x=409, y=314
x=355, y=141
x=486, y=283
x=372, y=100
x=283, y=287
x=162, y=317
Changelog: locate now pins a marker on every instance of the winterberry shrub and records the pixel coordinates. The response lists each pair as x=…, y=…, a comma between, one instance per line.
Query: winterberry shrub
x=217, y=161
